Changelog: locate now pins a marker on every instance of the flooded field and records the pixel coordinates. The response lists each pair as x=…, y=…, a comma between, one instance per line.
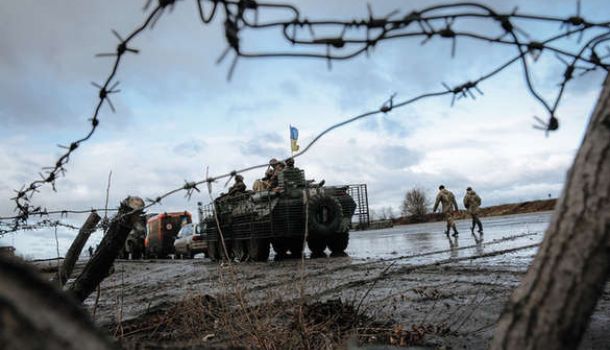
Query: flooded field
x=407, y=278
x=499, y=233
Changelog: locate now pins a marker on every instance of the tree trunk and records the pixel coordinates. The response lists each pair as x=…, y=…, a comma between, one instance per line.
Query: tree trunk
x=76, y=248
x=552, y=306
x=36, y=315
x=99, y=265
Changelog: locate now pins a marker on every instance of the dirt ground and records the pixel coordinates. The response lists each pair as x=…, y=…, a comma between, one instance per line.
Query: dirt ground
x=425, y=296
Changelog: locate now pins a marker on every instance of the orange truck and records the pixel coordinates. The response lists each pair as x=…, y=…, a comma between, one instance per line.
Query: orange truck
x=161, y=231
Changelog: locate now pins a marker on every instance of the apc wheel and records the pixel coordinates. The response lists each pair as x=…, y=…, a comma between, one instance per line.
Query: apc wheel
x=239, y=250
x=213, y=250
x=325, y=214
x=223, y=252
x=337, y=243
x=317, y=244
x=137, y=255
x=280, y=246
x=295, y=246
x=258, y=249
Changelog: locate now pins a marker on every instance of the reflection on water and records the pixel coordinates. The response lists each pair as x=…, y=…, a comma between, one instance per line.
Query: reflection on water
x=478, y=241
x=453, y=246
x=415, y=240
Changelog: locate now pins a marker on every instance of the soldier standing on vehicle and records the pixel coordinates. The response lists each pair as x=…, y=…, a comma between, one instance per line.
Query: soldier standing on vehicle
x=290, y=163
x=277, y=169
x=238, y=187
x=472, y=202
x=449, y=205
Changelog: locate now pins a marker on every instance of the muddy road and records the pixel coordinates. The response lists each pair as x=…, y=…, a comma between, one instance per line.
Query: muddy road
x=410, y=277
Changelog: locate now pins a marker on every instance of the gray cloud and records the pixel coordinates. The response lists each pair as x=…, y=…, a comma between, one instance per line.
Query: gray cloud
x=397, y=157
x=264, y=145
x=394, y=125
x=290, y=88
x=189, y=148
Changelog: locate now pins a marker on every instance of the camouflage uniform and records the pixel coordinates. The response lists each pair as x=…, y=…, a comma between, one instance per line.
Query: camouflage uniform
x=238, y=187
x=472, y=202
x=447, y=199
x=277, y=169
x=264, y=183
x=290, y=163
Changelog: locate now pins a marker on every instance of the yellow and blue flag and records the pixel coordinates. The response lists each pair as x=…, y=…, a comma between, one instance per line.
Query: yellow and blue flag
x=294, y=136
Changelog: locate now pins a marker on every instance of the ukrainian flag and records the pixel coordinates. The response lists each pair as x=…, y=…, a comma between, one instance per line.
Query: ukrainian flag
x=294, y=136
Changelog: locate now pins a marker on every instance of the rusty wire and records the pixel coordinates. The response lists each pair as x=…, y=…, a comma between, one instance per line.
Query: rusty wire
x=46, y=223
x=426, y=24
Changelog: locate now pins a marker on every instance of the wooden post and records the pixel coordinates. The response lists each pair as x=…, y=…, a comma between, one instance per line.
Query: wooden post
x=76, y=248
x=37, y=315
x=99, y=265
x=552, y=306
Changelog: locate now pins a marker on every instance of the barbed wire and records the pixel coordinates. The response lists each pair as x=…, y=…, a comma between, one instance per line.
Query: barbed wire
x=50, y=174
x=433, y=22
x=43, y=224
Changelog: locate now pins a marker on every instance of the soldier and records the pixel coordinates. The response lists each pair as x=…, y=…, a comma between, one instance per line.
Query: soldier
x=447, y=199
x=277, y=169
x=273, y=163
x=264, y=183
x=472, y=202
x=290, y=163
x=238, y=187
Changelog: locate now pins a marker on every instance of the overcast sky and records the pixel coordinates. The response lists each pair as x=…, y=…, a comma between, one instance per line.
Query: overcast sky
x=177, y=114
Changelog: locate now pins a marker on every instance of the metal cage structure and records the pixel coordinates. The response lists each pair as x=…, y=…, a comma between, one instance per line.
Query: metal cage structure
x=361, y=219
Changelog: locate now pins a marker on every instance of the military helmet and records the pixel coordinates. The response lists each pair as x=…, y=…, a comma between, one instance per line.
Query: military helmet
x=239, y=178
x=273, y=162
x=441, y=187
x=290, y=161
x=468, y=189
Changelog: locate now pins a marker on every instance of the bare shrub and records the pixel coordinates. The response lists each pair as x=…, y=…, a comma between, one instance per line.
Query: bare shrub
x=241, y=319
x=415, y=203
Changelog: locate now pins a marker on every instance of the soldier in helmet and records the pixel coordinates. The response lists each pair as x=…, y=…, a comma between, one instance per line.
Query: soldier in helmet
x=290, y=163
x=449, y=205
x=273, y=163
x=472, y=202
x=238, y=187
x=277, y=169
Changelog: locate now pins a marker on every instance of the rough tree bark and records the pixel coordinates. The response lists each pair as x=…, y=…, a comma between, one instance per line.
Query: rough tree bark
x=99, y=265
x=36, y=315
x=552, y=306
x=76, y=248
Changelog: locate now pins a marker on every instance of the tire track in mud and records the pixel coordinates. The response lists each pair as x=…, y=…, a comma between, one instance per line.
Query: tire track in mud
x=410, y=268
x=284, y=279
x=253, y=281
x=336, y=289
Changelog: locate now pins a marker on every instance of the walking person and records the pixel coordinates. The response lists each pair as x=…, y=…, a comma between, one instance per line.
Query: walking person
x=449, y=205
x=472, y=202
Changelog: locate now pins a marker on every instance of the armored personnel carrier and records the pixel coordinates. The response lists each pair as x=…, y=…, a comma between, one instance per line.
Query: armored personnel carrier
x=251, y=222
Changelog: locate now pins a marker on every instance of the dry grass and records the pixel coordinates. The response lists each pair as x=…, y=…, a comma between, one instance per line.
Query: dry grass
x=241, y=320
